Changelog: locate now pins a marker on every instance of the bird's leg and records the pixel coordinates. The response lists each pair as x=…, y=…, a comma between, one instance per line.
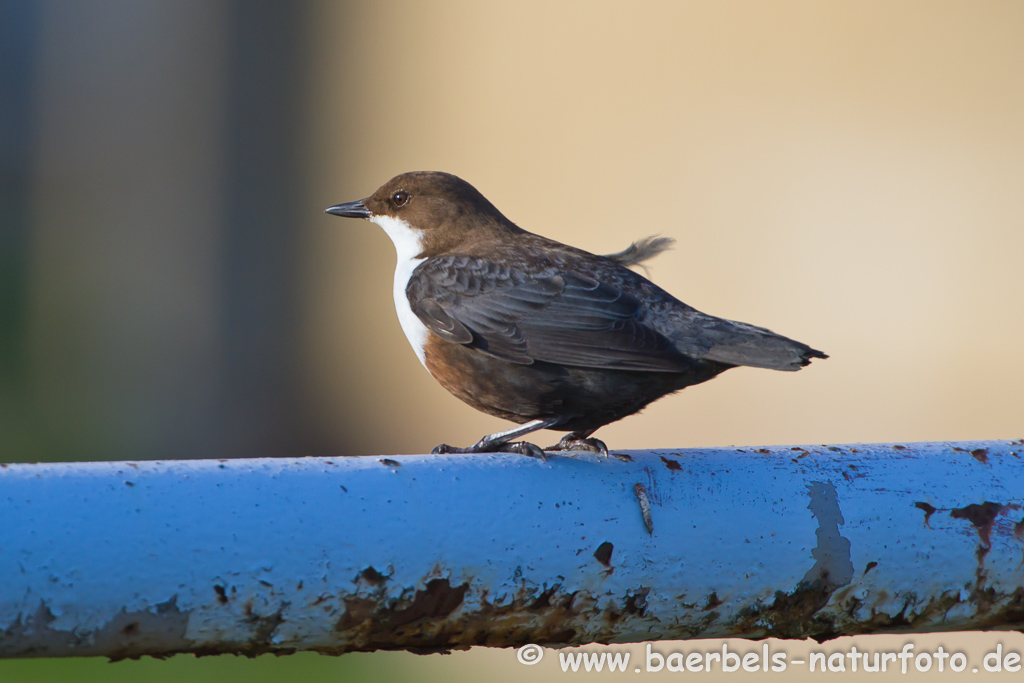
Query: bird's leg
x=499, y=441
x=580, y=441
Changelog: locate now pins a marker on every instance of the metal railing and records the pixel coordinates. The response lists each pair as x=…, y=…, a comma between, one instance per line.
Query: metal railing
x=431, y=553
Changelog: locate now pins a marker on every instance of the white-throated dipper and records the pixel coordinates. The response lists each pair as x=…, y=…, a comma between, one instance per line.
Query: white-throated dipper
x=540, y=333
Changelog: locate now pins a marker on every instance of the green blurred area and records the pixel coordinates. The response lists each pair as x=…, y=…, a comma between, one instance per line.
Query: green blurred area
x=492, y=664
x=298, y=668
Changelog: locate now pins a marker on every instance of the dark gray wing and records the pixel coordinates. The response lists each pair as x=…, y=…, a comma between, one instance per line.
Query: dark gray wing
x=552, y=315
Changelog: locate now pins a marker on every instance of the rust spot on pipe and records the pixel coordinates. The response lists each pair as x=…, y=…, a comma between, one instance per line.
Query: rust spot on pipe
x=980, y=454
x=390, y=463
x=222, y=595
x=672, y=464
x=543, y=600
x=1012, y=612
x=982, y=516
x=357, y=611
x=871, y=565
x=790, y=615
x=436, y=601
x=372, y=577
x=929, y=510
x=413, y=623
x=603, y=554
x=432, y=621
x=636, y=601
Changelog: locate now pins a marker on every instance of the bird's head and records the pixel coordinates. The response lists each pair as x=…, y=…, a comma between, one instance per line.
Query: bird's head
x=428, y=210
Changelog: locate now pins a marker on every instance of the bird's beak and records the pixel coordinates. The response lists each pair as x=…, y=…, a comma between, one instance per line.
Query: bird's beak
x=350, y=210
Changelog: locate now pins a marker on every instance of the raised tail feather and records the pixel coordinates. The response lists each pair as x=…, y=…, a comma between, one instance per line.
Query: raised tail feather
x=642, y=250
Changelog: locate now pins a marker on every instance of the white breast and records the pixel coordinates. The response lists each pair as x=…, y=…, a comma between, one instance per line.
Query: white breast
x=408, y=246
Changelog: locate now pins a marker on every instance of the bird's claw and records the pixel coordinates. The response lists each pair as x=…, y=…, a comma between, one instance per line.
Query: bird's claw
x=572, y=443
x=520, y=447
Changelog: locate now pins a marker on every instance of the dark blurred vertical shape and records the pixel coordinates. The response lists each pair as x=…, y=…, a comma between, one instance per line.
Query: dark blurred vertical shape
x=149, y=229
x=155, y=286
x=262, y=215
x=17, y=48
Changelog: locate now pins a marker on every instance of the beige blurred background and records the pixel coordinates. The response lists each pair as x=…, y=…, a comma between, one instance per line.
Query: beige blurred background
x=849, y=174
x=846, y=173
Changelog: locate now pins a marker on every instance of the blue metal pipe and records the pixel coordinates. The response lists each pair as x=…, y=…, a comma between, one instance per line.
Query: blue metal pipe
x=433, y=553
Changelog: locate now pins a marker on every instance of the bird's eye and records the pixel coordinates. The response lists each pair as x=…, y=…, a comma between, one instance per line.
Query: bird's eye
x=400, y=198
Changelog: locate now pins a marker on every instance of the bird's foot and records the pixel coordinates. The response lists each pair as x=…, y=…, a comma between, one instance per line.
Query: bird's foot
x=572, y=442
x=520, y=447
x=501, y=442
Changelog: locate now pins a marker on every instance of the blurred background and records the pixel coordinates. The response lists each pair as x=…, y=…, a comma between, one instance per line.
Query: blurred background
x=850, y=174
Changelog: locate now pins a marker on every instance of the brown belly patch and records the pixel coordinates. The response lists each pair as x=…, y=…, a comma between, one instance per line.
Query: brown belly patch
x=583, y=398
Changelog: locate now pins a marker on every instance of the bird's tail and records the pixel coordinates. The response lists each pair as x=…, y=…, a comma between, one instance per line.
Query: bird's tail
x=728, y=341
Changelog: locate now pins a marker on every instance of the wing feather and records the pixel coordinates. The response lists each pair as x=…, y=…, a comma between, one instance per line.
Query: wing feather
x=555, y=316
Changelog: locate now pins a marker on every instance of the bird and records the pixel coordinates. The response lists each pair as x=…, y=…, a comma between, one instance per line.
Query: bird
x=540, y=333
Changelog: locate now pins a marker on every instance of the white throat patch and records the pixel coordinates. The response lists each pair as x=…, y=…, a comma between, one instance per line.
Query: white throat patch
x=408, y=245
